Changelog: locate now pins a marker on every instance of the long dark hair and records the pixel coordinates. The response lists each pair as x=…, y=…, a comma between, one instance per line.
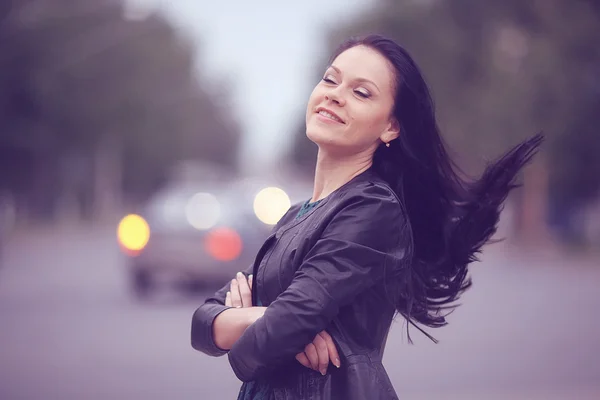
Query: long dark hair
x=450, y=218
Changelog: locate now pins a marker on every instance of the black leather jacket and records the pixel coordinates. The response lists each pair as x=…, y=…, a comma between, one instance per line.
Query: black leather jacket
x=324, y=270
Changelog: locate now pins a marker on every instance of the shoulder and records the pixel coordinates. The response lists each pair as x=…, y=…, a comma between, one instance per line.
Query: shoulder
x=371, y=196
x=369, y=205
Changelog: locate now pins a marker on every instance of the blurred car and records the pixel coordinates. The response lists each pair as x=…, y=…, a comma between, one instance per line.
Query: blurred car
x=198, y=232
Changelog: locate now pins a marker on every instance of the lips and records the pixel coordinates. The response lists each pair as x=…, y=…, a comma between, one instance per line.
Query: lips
x=329, y=114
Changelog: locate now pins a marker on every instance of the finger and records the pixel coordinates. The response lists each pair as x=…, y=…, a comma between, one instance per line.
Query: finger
x=236, y=300
x=250, y=278
x=322, y=353
x=244, y=289
x=313, y=357
x=333, y=352
x=228, y=299
x=302, y=359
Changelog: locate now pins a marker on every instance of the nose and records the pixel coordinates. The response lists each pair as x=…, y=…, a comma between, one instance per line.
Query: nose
x=335, y=96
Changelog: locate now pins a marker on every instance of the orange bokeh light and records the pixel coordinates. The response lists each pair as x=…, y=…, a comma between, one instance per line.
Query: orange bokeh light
x=223, y=244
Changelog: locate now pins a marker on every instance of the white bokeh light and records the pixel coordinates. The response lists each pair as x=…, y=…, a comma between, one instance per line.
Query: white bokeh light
x=270, y=204
x=203, y=211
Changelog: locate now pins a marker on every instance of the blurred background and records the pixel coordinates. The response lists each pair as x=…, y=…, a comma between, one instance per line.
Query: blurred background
x=147, y=147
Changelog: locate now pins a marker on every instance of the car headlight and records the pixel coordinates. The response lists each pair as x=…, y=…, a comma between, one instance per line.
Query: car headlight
x=133, y=234
x=270, y=204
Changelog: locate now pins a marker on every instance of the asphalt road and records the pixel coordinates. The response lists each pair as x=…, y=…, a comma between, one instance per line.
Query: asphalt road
x=69, y=329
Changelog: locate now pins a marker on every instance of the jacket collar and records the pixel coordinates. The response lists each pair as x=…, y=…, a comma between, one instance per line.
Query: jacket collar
x=368, y=175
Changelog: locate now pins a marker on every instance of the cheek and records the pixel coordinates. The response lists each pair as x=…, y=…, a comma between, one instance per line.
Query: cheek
x=315, y=98
x=369, y=122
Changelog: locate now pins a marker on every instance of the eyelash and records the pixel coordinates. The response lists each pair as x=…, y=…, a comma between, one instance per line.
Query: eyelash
x=361, y=94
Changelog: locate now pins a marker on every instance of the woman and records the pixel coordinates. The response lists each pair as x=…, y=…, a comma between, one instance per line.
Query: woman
x=390, y=228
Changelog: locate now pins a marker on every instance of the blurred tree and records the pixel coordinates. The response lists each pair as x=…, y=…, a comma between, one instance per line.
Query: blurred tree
x=501, y=71
x=86, y=78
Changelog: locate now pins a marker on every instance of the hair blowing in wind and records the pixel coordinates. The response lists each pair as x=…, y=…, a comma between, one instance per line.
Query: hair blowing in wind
x=449, y=218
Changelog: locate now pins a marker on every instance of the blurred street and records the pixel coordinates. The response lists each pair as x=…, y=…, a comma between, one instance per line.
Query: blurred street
x=71, y=330
x=184, y=125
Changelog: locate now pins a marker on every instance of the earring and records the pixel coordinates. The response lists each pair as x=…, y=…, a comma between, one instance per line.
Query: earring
x=387, y=145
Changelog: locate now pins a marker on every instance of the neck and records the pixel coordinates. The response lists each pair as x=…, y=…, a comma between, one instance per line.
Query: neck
x=334, y=171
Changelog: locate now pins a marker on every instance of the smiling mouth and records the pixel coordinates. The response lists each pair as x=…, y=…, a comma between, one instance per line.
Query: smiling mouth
x=330, y=116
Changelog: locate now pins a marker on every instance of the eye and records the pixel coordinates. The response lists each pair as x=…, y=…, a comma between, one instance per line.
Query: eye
x=328, y=79
x=362, y=93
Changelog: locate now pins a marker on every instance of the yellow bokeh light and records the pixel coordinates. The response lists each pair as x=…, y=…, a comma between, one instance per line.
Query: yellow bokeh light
x=133, y=232
x=270, y=204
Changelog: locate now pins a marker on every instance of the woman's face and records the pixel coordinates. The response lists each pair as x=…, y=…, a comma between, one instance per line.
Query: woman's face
x=350, y=110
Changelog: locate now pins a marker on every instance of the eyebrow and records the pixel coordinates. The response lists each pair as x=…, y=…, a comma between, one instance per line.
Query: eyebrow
x=336, y=69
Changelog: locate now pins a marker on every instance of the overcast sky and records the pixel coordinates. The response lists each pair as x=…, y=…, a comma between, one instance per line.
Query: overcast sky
x=269, y=50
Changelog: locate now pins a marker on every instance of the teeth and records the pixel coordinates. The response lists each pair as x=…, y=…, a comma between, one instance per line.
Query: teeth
x=330, y=116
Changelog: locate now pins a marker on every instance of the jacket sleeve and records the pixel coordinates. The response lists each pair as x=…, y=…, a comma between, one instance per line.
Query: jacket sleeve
x=204, y=316
x=349, y=258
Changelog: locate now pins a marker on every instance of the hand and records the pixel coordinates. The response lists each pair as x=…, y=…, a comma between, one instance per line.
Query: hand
x=316, y=355
x=240, y=292
x=229, y=325
x=240, y=296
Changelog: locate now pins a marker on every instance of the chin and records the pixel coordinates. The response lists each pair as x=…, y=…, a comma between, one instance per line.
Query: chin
x=325, y=140
x=318, y=136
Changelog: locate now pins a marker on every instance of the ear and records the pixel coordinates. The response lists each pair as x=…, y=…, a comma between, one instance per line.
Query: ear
x=392, y=131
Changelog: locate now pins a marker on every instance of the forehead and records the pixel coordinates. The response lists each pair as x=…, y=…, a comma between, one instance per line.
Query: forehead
x=364, y=62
